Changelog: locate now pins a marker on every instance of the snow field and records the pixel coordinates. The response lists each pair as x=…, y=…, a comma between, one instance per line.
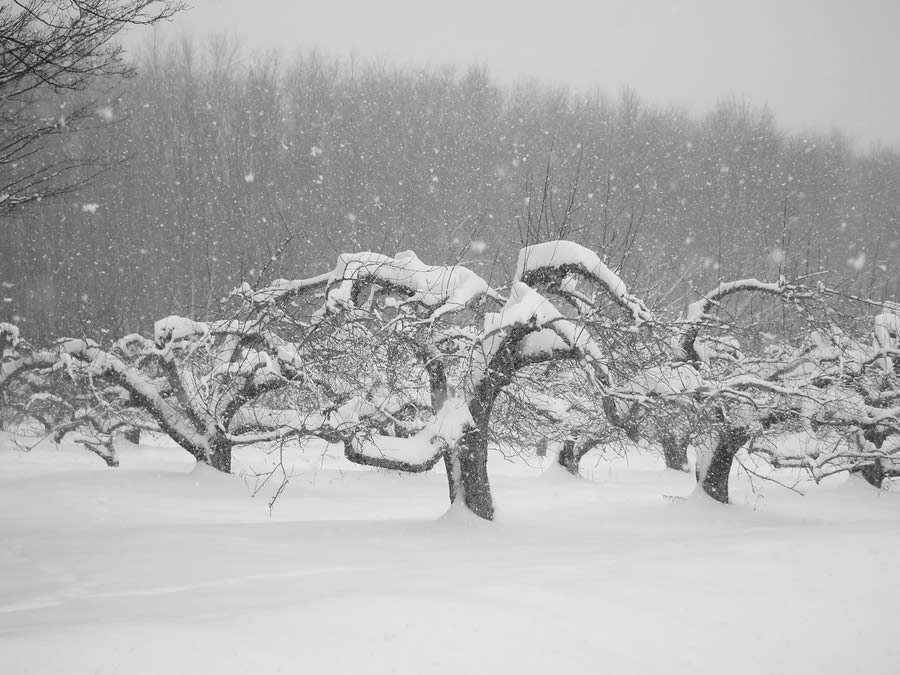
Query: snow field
x=163, y=567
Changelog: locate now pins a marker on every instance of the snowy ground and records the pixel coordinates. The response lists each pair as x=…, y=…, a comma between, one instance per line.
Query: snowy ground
x=157, y=567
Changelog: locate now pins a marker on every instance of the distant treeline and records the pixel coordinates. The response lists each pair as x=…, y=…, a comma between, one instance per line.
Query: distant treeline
x=232, y=162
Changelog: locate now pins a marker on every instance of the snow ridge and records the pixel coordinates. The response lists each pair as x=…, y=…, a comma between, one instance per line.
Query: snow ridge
x=564, y=257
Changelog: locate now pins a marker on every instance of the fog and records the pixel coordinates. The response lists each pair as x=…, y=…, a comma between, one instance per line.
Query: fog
x=817, y=64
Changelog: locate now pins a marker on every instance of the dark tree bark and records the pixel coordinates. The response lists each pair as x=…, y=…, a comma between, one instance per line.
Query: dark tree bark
x=572, y=452
x=221, y=454
x=566, y=457
x=133, y=435
x=625, y=422
x=715, y=481
x=474, y=482
x=472, y=448
x=874, y=474
x=675, y=452
x=357, y=457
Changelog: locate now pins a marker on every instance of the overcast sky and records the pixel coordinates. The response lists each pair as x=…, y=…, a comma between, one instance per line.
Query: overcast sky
x=818, y=64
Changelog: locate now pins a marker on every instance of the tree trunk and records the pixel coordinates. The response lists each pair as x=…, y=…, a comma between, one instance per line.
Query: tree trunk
x=572, y=452
x=472, y=447
x=873, y=473
x=474, y=483
x=451, y=464
x=221, y=454
x=104, y=451
x=625, y=422
x=675, y=452
x=714, y=480
x=437, y=377
x=567, y=458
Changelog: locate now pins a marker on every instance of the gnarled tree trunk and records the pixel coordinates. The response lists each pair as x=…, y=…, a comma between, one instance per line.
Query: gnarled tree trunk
x=473, y=446
x=572, y=452
x=675, y=452
x=473, y=476
x=220, y=458
x=713, y=476
x=874, y=474
x=566, y=457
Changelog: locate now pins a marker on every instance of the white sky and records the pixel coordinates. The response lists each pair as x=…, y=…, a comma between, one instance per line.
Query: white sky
x=818, y=64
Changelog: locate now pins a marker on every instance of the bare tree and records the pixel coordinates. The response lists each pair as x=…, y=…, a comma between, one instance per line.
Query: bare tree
x=51, y=51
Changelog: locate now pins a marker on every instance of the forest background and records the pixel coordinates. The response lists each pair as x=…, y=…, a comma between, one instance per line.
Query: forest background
x=221, y=167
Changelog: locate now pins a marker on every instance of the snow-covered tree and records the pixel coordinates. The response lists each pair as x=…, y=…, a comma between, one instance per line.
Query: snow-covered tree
x=419, y=299
x=192, y=380
x=842, y=389
x=746, y=398
x=404, y=364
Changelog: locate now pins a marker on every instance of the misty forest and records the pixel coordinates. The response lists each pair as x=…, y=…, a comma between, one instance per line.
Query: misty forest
x=324, y=362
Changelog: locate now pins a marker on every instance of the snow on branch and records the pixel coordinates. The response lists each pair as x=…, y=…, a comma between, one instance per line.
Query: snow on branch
x=98, y=362
x=253, y=424
x=558, y=259
x=549, y=332
x=821, y=461
x=15, y=363
x=283, y=354
x=9, y=339
x=700, y=308
x=414, y=454
x=141, y=387
x=886, y=305
x=174, y=328
x=281, y=290
x=841, y=407
x=684, y=344
x=134, y=344
x=419, y=452
x=834, y=353
x=446, y=288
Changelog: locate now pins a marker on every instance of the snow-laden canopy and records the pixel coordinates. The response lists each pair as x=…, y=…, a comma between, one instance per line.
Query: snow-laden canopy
x=567, y=257
x=448, y=288
x=445, y=288
x=832, y=352
x=420, y=451
x=549, y=331
x=684, y=344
